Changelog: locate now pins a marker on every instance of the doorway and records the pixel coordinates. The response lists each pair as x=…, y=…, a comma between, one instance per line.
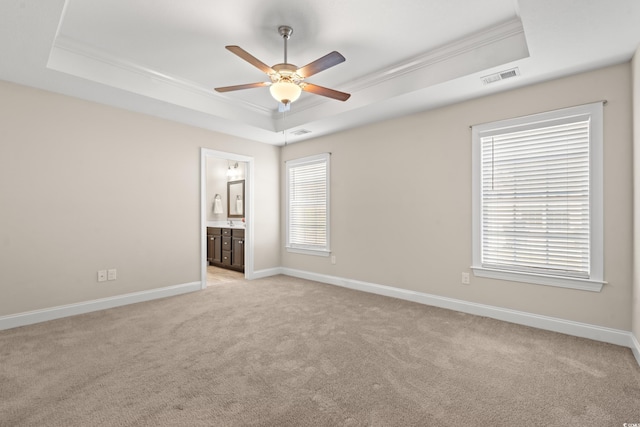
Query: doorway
x=217, y=170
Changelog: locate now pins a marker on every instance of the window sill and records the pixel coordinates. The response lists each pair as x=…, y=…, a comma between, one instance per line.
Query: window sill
x=316, y=252
x=539, y=279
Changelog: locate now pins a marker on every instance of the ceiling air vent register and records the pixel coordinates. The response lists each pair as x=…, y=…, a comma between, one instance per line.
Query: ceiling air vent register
x=507, y=74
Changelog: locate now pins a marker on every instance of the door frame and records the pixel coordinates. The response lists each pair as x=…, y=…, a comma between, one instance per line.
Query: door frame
x=249, y=197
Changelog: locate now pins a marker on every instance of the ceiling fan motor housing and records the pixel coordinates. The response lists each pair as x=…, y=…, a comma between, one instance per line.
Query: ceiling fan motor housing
x=285, y=71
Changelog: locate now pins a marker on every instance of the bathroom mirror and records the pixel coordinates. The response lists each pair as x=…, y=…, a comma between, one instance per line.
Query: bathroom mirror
x=235, y=199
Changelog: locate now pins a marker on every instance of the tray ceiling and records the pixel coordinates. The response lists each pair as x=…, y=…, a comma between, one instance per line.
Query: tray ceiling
x=165, y=57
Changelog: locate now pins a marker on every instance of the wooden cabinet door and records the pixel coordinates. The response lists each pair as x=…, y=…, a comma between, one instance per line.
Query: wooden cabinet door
x=217, y=249
x=238, y=252
x=214, y=248
x=210, y=247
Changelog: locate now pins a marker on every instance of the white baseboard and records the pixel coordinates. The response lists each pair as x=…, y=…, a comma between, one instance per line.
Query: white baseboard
x=635, y=348
x=569, y=327
x=36, y=316
x=268, y=272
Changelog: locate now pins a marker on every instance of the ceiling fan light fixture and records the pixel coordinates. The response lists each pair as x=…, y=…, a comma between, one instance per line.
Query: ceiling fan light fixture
x=285, y=91
x=287, y=80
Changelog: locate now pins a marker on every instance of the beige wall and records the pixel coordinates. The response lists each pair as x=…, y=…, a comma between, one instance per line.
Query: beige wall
x=636, y=196
x=216, y=183
x=85, y=187
x=401, y=201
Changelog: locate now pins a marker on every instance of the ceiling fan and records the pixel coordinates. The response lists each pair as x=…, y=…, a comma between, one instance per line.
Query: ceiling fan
x=287, y=80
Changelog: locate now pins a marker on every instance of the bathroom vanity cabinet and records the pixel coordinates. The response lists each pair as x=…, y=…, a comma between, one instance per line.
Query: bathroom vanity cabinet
x=225, y=247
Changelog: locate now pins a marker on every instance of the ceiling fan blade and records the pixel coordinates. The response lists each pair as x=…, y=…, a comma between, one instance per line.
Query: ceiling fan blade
x=330, y=93
x=240, y=87
x=250, y=59
x=327, y=61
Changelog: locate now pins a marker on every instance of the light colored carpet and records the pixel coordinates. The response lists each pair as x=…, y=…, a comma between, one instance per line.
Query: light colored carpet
x=288, y=352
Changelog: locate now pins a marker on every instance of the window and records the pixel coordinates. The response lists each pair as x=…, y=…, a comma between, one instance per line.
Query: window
x=537, y=198
x=308, y=205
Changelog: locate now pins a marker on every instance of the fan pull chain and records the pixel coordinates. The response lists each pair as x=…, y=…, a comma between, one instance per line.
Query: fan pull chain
x=284, y=127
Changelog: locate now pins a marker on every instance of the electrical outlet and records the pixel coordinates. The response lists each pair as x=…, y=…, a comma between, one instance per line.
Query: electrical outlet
x=102, y=275
x=112, y=274
x=465, y=278
x=333, y=259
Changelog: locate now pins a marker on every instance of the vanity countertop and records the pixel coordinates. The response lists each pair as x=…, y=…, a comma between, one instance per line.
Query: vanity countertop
x=225, y=224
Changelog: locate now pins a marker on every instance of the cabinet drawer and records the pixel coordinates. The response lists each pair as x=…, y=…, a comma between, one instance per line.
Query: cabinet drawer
x=226, y=257
x=226, y=232
x=226, y=243
x=214, y=230
x=237, y=232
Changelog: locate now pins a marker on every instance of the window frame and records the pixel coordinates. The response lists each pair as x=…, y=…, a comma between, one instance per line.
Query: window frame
x=594, y=112
x=309, y=249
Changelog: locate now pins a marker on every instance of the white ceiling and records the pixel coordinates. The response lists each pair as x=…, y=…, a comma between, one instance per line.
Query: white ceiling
x=164, y=57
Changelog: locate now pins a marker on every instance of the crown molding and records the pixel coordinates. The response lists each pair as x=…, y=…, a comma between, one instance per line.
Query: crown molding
x=91, y=53
x=443, y=53
x=486, y=38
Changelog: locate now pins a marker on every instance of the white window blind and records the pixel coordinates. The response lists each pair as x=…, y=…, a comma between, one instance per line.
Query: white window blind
x=535, y=200
x=308, y=204
x=538, y=198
